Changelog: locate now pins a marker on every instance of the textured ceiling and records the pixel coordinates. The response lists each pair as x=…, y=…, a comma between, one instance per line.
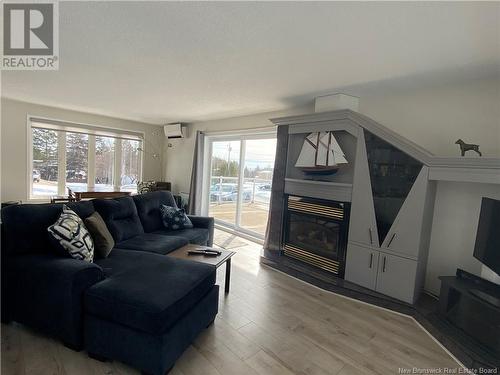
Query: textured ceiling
x=184, y=61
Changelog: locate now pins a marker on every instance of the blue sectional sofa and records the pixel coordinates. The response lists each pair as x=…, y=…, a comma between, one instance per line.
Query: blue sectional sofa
x=137, y=306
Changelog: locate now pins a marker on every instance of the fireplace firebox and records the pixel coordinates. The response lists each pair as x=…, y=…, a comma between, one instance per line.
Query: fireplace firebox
x=315, y=232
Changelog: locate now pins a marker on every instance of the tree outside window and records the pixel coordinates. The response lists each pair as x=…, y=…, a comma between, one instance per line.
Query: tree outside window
x=130, y=171
x=45, y=162
x=60, y=159
x=104, y=161
x=77, y=147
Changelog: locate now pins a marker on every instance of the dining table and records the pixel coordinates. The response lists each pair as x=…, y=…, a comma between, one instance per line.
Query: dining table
x=88, y=193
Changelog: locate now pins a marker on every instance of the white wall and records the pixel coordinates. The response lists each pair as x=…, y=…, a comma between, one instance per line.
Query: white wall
x=436, y=116
x=14, y=153
x=456, y=214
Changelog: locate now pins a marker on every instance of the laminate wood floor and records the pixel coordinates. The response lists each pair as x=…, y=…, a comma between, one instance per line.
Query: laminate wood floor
x=269, y=324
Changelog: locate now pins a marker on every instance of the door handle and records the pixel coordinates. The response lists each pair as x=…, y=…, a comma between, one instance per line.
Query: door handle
x=383, y=265
x=371, y=260
x=371, y=235
x=392, y=238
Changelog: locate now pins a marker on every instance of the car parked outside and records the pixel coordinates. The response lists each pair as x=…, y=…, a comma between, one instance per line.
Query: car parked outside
x=228, y=192
x=36, y=175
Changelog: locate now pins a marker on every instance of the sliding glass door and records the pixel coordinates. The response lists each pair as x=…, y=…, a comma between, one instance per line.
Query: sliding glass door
x=241, y=170
x=225, y=170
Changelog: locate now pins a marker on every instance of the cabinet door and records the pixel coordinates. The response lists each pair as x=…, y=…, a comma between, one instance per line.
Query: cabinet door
x=396, y=277
x=404, y=235
x=362, y=224
x=361, y=265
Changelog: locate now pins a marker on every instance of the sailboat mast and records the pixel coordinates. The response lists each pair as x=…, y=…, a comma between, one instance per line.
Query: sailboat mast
x=316, y=151
x=328, y=149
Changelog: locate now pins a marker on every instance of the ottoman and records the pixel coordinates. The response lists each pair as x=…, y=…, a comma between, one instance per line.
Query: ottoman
x=149, y=309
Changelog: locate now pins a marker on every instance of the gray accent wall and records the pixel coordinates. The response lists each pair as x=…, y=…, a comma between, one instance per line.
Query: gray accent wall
x=274, y=228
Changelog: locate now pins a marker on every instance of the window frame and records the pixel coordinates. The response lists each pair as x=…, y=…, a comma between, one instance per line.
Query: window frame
x=92, y=130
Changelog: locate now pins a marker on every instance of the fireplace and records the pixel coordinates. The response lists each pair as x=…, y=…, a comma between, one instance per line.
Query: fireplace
x=315, y=232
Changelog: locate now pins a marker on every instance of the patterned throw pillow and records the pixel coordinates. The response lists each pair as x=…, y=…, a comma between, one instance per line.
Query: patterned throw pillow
x=72, y=235
x=145, y=186
x=174, y=218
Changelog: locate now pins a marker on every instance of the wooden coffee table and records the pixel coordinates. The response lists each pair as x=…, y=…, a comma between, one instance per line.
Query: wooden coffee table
x=217, y=261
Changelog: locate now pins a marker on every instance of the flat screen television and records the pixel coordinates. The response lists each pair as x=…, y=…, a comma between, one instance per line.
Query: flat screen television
x=487, y=248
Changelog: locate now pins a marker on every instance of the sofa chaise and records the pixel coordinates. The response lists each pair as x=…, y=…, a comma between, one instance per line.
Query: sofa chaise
x=137, y=306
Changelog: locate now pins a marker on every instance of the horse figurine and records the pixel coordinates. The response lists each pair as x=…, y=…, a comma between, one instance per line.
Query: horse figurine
x=464, y=147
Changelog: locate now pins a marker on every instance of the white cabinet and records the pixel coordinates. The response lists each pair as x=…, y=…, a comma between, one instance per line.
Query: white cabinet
x=405, y=235
x=396, y=277
x=385, y=273
x=362, y=224
x=389, y=227
x=361, y=265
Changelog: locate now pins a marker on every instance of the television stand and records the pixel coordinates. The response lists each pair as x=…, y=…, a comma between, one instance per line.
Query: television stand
x=486, y=297
x=473, y=305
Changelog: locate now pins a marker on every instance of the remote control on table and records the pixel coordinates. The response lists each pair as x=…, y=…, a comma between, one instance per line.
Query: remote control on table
x=205, y=252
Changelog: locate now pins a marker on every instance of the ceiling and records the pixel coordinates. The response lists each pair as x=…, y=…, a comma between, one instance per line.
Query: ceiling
x=160, y=62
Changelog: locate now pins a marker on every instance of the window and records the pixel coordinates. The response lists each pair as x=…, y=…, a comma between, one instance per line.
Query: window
x=130, y=168
x=238, y=189
x=104, y=162
x=81, y=157
x=45, y=162
x=77, y=148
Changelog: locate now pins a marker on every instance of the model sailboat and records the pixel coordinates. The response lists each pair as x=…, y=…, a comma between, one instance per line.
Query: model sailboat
x=320, y=154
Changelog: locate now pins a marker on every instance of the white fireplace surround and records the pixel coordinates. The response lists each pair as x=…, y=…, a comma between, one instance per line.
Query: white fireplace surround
x=437, y=170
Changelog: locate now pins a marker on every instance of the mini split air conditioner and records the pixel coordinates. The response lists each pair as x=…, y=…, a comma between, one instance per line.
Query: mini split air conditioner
x=174, y=131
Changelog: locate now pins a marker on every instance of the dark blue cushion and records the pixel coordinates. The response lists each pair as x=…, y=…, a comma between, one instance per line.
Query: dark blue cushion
x=153, y=243
x=198, y=236
x=120, y=216
x=148, y=292
x=82, y=208
x=148, y=208
x=45, y=292
x=24, y=226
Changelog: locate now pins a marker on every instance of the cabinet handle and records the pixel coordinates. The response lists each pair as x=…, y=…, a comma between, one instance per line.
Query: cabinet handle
x=392, y=238
x=371, y=260
x=371, y=235
x=383, y=265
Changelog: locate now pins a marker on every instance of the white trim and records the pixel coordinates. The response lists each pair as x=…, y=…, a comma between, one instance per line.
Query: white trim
x=239, y=137
x=239, y=233
x=141, y=160
x=29, y=174
x=91, y=162
x=241, y=182
x=61, y=163
x=465, y=174
x=242, y=132
x=117, y=164
x=71, y=126
x=375, y=306
x=441, y=345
